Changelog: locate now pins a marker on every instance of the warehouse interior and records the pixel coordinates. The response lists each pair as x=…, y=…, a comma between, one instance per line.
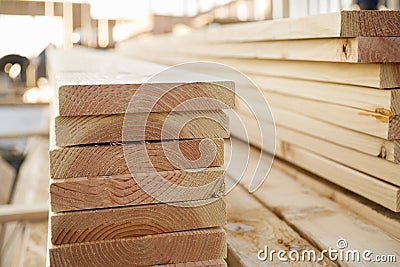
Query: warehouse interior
x=293, y=126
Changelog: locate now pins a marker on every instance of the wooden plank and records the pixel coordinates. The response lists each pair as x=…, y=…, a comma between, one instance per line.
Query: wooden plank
x=14, y=212
x=369, y=164
x=364, y=143
x=303, y=209
x=187, y=246
x=7, y=173
x=25, y=243
x=123, y=190
x=372, y=75
x=384, y=219
x=367, y=186
x=259, y=227
x=344, y=24
x=369, y=99
x=373, y=123
x=106, y=160
x=127, y=222
x=351, y=50
x=88, y=90
x=140, y=126
x=373, y=166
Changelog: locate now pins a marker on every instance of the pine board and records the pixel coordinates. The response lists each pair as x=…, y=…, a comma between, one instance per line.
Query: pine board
x=304, y=210
x=24, y=244
x=187, y=246
x=344, y=24
x=123, y=190
x=362, y=184
x=373, y=123
x=126, y=222
x=106, y=160
x=374, y=146
x=260, y=227
x=369, y=99
x=384, y=219
x=79, y=130
x=351, y=50
x=106, y=83
x=385, y=75
x=369, y=164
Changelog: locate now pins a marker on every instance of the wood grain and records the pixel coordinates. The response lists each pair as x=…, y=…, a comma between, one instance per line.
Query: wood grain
x=126, y=222
x=373, y=123
x=105, y=160
x=24, y=244
x=383, y=218
x=365, y=23
x=355, y=50
x=358, y=141
x=107, y=83
x=359, y=97
x=72, y=130
x=260, y=227
x=369, y=164
x=385, y=75
x=169, y=248
x=303, y=209
x=115, y=191
x=360, y=183
x=344, y=24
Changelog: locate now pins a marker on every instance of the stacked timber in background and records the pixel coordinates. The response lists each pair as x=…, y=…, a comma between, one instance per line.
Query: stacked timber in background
x=101, y=215
x=331, y=81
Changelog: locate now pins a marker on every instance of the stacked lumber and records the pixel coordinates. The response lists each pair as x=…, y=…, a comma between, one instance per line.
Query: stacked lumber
x=135, y=183
x=331, y=82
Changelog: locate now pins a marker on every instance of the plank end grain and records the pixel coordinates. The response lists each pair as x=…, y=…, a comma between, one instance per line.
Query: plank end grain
x=170, y=248
x=370, y=23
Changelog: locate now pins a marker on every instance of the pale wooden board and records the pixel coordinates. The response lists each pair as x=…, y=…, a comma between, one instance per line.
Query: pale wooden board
x=385, y=102
x=371, y=75
x=140, y=126
x=372, y=123
x=127, y=222
x=318, y=219
x=123, y=190
x=370, y=164
x=106, y=83
x=169, y=248
x=355, y=50
x=105, y=160
x=343, y=24
x=21, y=213
x=7, y=173
x=384, y=219
x=365, y=185
x=25, y=243
x=251, y=226
x=364, y=143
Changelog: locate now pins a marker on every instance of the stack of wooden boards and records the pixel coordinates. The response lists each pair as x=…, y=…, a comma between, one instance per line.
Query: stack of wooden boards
x=330, y=81
x=110, y=205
